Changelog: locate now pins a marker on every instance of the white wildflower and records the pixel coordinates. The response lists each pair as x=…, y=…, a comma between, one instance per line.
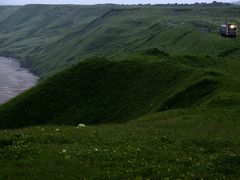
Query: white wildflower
x=57, y=129
x=64, y=150
x=81, y=125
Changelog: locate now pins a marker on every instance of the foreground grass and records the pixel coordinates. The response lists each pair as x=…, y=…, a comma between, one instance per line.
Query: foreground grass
x=183, y=144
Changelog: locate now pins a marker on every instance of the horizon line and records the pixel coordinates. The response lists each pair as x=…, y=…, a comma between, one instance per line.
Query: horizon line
x=139, y=4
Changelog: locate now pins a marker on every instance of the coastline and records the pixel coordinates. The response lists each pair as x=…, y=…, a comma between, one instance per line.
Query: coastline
x=14, y=79
x=24, y=62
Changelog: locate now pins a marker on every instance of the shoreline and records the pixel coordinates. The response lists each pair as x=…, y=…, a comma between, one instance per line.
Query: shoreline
x=14, y=79
x=22, y=61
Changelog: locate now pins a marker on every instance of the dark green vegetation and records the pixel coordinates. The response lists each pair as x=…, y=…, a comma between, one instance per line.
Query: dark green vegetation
x=171, y=112
x=107, y=91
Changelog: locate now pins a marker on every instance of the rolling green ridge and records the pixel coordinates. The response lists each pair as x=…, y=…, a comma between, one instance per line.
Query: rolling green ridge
x=96, y=91
x=49, y=38
x=107, y=91
x=6, y=11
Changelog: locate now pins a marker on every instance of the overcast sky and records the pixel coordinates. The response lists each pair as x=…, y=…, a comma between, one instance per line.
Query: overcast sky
x=22, y=2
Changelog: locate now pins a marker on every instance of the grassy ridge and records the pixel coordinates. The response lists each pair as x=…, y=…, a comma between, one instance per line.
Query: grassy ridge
x=6, y=11
x=50, y=38
x=103, y=91
x=96, y=91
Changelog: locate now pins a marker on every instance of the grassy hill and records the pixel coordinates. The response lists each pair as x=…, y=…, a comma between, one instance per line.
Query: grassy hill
x=157, y=116
x=162, y=102
x=49, y=38
x=6, y=11
x=107, y=91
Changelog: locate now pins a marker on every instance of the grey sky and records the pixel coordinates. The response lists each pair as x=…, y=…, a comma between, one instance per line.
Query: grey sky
x=21, y=2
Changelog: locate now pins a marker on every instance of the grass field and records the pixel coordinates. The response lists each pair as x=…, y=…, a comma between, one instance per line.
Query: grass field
x=161, y=100
x=175, y=144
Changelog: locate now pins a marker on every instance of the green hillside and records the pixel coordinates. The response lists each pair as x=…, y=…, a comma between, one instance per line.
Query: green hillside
x=50, y=38
x=103, y=91
x=149, y=116
x=157, y=116
x=6, y=11
x=126, y=92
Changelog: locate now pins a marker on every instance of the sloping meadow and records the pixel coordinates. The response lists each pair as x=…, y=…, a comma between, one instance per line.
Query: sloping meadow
x=99, y=90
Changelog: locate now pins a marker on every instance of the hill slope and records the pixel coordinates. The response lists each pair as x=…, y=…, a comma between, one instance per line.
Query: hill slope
x=103, y=91
x=188, y=125
x=50, y=38
x=6, y=11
